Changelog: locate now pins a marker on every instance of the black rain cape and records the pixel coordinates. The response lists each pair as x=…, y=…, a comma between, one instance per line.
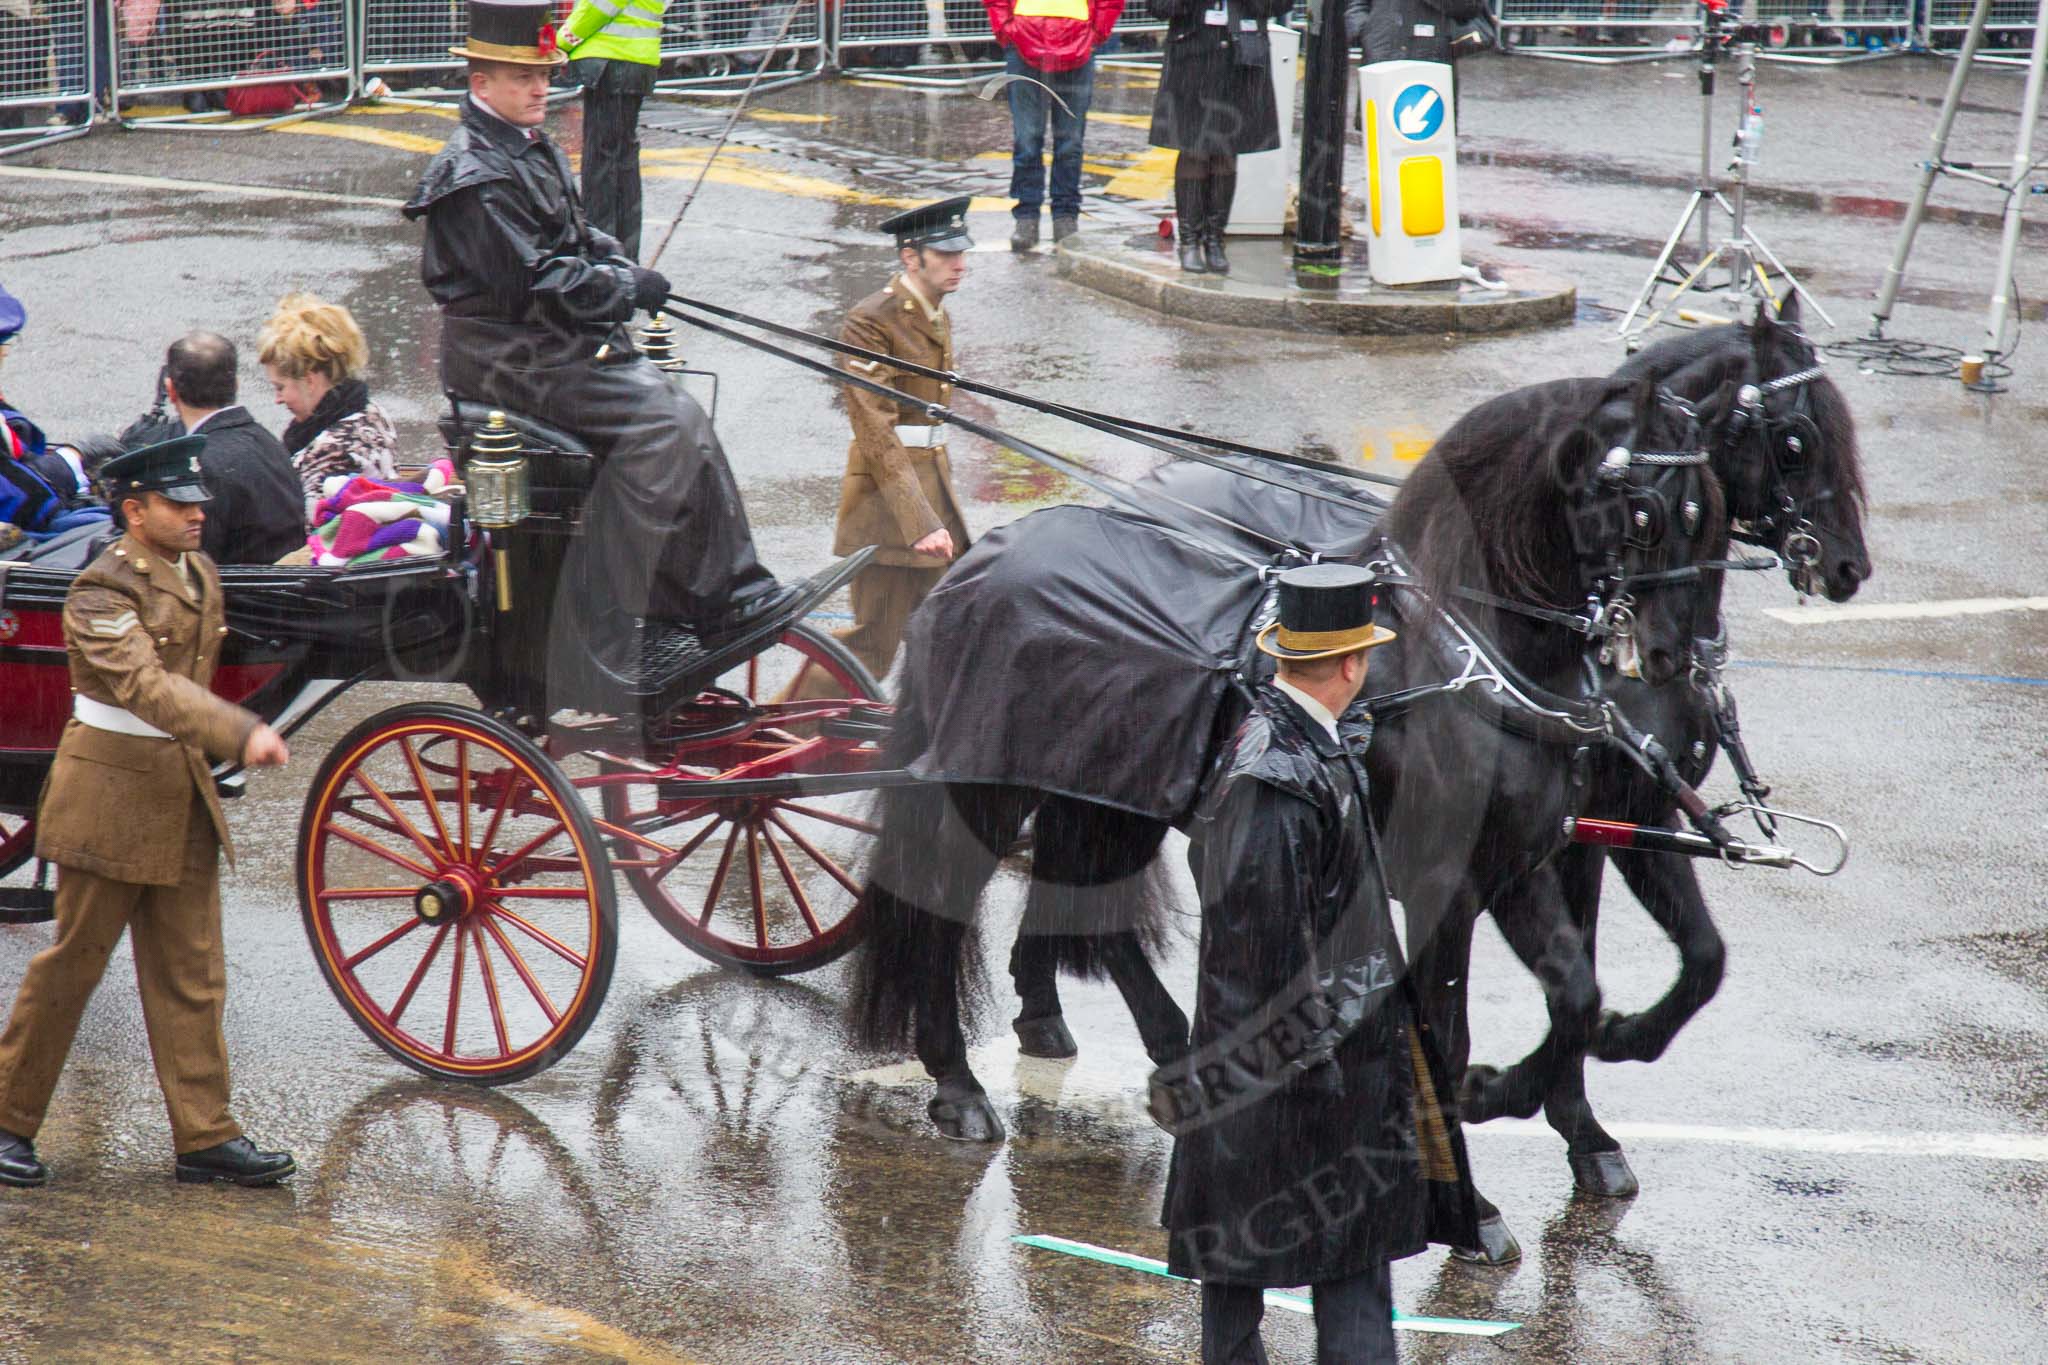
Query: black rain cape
x=1094, y=652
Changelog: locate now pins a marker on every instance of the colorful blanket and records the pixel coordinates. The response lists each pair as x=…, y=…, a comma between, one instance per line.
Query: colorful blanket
x=360, y=520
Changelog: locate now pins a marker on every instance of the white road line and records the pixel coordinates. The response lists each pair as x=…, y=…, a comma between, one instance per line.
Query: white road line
x=1827, y=615
x=158, y=182
x=1980, y=1146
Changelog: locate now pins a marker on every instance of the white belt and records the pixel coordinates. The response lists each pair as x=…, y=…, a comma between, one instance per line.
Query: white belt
x=101, y=716
x=922, y=438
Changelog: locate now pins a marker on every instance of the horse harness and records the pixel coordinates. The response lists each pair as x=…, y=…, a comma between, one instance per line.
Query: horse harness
x=1787, y=443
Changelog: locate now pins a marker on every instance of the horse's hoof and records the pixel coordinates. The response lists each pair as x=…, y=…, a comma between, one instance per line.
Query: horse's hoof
x=1497, y=1246
x=966, y=1118
x=1046, y=1036
x=1603, y=1175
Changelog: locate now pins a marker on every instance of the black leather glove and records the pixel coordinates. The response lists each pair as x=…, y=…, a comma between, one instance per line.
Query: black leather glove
x=650, y=289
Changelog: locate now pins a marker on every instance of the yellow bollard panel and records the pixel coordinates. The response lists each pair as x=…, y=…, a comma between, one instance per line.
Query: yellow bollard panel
x=1411, y=167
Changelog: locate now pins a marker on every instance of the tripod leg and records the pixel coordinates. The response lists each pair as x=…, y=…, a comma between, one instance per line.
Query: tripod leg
x=1895, y=273
x=1692, y=207
x=2016, y=199
x=1684, y=286
x=1791, y=280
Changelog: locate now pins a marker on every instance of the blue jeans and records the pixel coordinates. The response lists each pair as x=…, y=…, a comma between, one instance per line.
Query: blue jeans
x=1029, y=106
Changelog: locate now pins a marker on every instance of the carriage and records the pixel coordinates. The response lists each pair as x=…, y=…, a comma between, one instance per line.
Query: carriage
x=457, y=863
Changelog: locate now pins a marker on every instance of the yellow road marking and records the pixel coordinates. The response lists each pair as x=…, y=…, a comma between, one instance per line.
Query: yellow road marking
x=1150, y=177
x=1125, y=120
x=377, y=107
x=376, y=137
x=779, y=116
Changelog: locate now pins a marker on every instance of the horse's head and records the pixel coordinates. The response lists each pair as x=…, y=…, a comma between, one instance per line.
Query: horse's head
x=1785, y=450
x=1644, y=509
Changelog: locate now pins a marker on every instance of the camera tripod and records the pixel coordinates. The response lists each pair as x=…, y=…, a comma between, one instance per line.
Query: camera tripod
x=1751, y=265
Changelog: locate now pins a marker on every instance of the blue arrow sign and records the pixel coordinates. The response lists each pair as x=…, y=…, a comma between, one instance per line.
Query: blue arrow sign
x=1418, y=113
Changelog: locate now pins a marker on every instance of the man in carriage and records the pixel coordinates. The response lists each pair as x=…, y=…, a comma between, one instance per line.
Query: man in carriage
x=535, y=303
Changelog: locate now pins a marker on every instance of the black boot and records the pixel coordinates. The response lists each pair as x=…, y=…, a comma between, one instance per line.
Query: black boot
x=1189, y=216
x=18, y=1164
x=237, y=1161
x=1222, y=191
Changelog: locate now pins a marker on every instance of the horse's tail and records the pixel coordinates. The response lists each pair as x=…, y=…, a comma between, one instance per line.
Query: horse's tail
x=918, y=901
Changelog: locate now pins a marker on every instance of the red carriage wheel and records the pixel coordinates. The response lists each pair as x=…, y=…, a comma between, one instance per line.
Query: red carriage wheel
x=17, y=841
x=761, y=883
x=457, y=894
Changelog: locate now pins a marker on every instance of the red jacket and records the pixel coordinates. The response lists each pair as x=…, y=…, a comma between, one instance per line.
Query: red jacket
x=1053, y=35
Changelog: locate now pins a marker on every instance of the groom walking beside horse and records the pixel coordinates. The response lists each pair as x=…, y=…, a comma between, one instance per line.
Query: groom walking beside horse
x=1310, y=1144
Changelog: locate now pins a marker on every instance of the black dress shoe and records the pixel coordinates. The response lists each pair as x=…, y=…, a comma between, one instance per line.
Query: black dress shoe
x=18, y=1164
x=235, y=1160
x=1192, y=262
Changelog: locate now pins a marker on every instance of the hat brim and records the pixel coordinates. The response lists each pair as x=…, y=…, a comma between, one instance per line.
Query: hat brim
x=1372, y=638
x=952, y=241
x=185, y=492
x=509, y=56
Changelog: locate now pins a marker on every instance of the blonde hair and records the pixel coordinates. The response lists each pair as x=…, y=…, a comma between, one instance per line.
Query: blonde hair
x=309, y=335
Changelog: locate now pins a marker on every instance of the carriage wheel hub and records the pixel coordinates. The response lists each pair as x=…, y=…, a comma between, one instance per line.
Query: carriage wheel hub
x=438, y=902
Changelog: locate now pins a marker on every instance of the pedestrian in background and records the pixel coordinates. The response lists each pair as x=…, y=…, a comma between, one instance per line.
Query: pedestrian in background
x=617, y=54
x=1418, y=31
x=1050, y=49
x=131, y=820
x=1215, y=103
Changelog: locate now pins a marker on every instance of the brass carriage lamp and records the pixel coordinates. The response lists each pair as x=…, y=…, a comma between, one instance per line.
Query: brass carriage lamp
x=500, y=495
x=657, y=341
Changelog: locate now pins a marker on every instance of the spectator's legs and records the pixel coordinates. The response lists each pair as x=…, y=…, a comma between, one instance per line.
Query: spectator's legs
x=1222, y=192
x=611, y=154
x=1190, y=209
x=1230, y=1324
x=1028, y=105
x=1355, y=1319
x=1069, y=126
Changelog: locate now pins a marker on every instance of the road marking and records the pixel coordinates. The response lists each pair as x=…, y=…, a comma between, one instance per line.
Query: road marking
x=1293, y=1303
x=376, y=137
x=1938, y=675
x=159, y=182
x=1979, y=1146
x=783, y=116
x=1150, y=177
x=1829, y=615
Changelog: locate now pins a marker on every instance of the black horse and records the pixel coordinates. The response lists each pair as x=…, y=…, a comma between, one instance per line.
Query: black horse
x=1516, y=520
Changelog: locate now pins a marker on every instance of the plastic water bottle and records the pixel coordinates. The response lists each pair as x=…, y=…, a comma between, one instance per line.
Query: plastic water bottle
x=1749, y=138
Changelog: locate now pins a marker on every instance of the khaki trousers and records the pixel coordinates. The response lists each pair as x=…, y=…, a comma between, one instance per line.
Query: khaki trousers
x=179, y=968
x=884, y=596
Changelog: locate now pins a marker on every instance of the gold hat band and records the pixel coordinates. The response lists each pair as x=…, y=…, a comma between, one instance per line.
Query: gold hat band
x=527, y=55
x=1324, y=639
x=1282, y=643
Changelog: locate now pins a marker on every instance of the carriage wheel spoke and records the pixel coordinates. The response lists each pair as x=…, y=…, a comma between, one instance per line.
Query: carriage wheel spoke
x=524, y=972
x=369, y=893
x=389, y=855
x=368, y=784
x=718, y=877
x=542, y=937
x=462, y=796
x=754, y=875
x=427, y=796
x=803, y=902
x=504, y=866
x=412, y=922
x=831, y=818
x=419, y=974
x=454, y=996
x=483, y=962
x=818, y=855
x=621, y=832
x=513, y=781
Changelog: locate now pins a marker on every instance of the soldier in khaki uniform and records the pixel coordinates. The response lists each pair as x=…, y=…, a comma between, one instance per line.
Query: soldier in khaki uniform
x=131, y=820
x=898, y=489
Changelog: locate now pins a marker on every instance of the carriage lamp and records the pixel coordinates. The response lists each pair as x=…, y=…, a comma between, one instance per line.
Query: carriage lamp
x=499, y=494
x=657, y=341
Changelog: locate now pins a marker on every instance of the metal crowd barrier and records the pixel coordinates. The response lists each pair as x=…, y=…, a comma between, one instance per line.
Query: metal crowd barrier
x=714, y=47
x=1605, y=32
x=263, y=61
x=915, y=42
x=405, y=43
x=46, y=62
x=2009, y=25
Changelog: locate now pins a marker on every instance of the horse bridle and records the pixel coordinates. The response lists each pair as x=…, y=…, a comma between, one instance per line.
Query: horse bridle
x=1788, y=443
x=1629, y=505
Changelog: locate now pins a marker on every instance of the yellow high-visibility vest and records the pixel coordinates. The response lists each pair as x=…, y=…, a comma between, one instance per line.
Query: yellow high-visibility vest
x=624, y=30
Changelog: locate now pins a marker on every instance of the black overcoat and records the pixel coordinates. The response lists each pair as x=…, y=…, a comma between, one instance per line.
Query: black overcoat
x=1312, y=1137
x=1210, y=103
x=1415, y=30
x=258, y=512
x=534, y=300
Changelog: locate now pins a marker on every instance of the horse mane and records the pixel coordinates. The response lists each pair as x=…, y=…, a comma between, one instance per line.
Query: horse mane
x=1487, y=507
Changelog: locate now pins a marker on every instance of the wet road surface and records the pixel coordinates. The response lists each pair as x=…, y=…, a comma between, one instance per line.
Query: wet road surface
x=1842, y=1159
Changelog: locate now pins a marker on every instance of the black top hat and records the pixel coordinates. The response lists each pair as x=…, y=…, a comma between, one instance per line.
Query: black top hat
x=168, y=467
x=941, y=226
x=515, y=33
x=1325, y=610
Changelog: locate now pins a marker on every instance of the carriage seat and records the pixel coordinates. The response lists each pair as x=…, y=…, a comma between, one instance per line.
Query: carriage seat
x=559, y=465
x=73, y=549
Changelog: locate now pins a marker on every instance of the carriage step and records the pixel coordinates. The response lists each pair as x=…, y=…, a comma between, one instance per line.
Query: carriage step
x=27, y=905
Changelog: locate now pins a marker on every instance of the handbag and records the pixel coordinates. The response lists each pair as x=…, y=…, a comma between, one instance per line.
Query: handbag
x=275, y=97
x=1254, y=50
x=1475, y=35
